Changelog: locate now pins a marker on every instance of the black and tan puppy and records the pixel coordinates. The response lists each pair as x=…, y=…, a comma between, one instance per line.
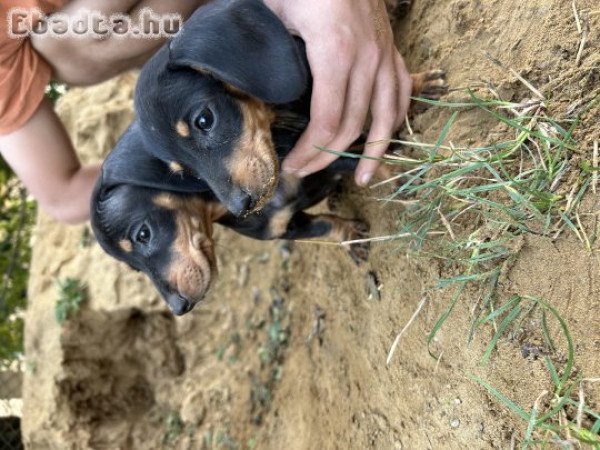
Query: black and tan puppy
x=206, y=103
x=217, y=109
x=169, y=235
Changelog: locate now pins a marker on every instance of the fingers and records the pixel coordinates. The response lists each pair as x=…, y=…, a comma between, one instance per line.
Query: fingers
x=326, y=110
x=385, y=111
x=355, y=68
x=347, y=125
x=405, y=88
x=391, y=99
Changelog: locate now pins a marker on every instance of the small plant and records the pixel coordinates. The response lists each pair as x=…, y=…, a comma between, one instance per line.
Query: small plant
x=55, y=90
x=17, y=215
x=71, y=294
x=270, y=354
x=555, y=416
x=482, y=199
x=221, y=439
x=277, y=335
x=173, y=428
x=235, y=343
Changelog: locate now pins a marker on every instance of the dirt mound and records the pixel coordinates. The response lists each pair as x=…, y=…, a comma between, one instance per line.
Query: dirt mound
x=290, y=349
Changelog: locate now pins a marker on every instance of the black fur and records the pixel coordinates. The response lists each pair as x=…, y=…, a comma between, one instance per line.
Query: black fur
x=226, y=43
x=120, y=209
x=244, y=45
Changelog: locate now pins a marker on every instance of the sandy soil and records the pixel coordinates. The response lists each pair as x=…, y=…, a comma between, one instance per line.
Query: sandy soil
x=290, y=349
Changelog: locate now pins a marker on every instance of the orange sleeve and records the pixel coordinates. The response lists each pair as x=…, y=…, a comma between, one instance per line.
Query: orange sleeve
x=24, y=75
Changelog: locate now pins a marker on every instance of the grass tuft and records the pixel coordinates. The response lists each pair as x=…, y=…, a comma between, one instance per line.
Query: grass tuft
x=483, y=199
x=71, y=294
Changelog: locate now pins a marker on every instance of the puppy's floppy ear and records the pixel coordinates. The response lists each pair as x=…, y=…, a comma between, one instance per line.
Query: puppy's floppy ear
x=244, y=44
x=130, y=163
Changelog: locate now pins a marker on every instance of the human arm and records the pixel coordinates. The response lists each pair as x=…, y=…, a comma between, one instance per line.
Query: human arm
x=37, y=146
x=42, y=156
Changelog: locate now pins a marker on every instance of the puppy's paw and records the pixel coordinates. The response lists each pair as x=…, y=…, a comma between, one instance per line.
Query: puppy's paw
x=355, y=230
x=397, y=9
x=335, y=198
x=430, y=85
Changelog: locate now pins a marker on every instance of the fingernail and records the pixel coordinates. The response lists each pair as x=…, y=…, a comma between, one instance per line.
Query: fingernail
x=302, y=173
x=365, y=178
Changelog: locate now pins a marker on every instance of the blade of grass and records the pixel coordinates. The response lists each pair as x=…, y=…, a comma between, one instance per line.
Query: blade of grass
x=503, y=398
x=501, y=329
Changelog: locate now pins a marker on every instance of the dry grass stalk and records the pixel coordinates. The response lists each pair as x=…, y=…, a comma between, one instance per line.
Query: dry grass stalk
x=595, y=166
x=576, y=15
x=584, y=35
x=408, y=324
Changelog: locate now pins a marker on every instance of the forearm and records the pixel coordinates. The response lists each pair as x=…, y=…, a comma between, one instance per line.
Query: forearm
x=42, y=156
x=90, y=58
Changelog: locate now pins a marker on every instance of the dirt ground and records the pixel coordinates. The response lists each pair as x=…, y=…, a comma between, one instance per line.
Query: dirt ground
x=289, y=351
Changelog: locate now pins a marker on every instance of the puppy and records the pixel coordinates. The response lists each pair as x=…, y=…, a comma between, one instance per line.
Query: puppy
x=204, y=102
x=168, y=235
x=207, y=102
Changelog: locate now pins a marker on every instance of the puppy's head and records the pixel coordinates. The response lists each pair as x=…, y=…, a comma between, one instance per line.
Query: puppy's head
x=165, y=235
x=204, y=100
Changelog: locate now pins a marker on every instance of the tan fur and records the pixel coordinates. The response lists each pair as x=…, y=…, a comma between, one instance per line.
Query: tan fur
x=279, y=222
x=175, y=167
x=203, y=71
x=126, y=245
x=253, y=165
x=235, y=91
x=194, y=263
x=182, y=129
x=341, y=229
x=424, y=80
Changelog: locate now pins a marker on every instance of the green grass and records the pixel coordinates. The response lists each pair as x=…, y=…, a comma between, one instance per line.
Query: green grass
x=483, y=199
x=71, y=294
x=174, y=428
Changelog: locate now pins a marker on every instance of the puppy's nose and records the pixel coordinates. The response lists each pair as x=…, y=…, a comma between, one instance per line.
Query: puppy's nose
x=178, y=304
x=241, y=202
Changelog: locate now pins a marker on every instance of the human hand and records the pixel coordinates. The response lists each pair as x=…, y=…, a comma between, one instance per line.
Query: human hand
x=355, y=68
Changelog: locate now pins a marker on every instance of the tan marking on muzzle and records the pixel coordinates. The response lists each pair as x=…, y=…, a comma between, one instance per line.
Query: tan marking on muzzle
x=253, y=165
x=193, y=263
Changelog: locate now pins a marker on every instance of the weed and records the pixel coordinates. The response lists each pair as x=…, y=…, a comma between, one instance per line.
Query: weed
x=71, y=294
x=174, y=427
x=483, y=199
x=220, y=439
x=235, y=342
x=271, y=354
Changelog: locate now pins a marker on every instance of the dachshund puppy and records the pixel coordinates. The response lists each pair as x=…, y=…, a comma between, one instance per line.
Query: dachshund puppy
x=208, y=100
x=205, y=100
x=218, y=108
x=169, y=234
x=158, y=218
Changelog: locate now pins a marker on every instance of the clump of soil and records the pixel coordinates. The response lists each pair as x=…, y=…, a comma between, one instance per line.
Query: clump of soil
x=289, y=351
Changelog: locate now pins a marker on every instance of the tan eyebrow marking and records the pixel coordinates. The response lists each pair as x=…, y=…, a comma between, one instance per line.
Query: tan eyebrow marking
x=175, y=166
x=126, y=245
x=182, y=129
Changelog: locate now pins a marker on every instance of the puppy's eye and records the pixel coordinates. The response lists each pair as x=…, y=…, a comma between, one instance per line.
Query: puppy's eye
x=143, y=235
x=205, y=120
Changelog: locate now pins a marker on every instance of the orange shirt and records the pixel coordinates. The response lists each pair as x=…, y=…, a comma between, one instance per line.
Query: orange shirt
x=24, y=74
